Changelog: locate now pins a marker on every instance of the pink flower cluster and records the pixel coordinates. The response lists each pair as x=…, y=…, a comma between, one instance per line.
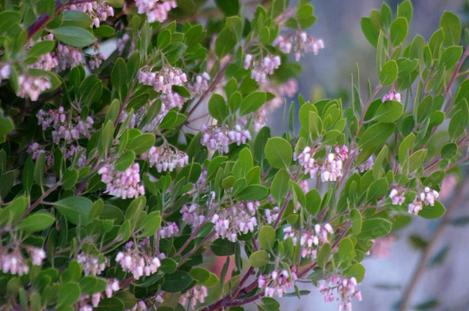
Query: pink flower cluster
x=92, y=265
x=263, y=68
x=426, y=197
x=5, y=71
x=165, y=158
x=331, y=169
x=137, y=262
x=200, y=85
x=164, y=80
x=63, y=127
x=300, y=43
x=277, y=283
x=219, y=138
x=99, y=11
x=46, y=62
x=14, y=263
x=88, y=302
x=391, y=95
x=191, y=215
x=234, y=220
x=69, y=57
x=168, y=231
x=310, y=241
x=32, y=86
x=367, y=165
x=126, y=184
x=155, y=10
x=193, y=296
x=271, y=215
x=341, y=289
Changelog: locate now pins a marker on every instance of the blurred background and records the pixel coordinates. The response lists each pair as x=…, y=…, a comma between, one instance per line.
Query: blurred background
x=443, y=282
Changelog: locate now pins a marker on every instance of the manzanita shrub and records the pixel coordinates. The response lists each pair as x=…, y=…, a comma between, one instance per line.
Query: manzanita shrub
x=134, y=149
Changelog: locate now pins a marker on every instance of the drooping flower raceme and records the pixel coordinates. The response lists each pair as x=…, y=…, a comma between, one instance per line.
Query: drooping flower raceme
x=168, y=231
x=155, y=10
x=392, y=95
x=425, y=198
x=300, y=43
x=191, y=215
x=99, y=10
x=32, y=86
x=341, y=289
x=166, y=158
x=194, y=296
x=137, y=261
x=219, y=138
x=263, y=68
x=277, y=283
x=92, y=265
x=125, y=184
x=237, y=219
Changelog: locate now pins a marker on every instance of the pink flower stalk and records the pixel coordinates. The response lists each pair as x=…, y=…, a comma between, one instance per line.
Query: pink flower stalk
x=367, y=165
x=92, y=265
x=137, y=263
x=424, y=198
x=69, y=57
x=331, y=169
x=200, y=85
x=13, y=262
x=191, y=215
x=32, y=86
x=265, y=67
x=341, y=289
x=5, y=71
x=98, y=11
x=391, y=95
x=194, y=296
x=166, y=158
x=237, y=219
x=382, y=247
x=125, y=185
x=164, y=80
x=155, y=10
x=301, y=43
x=168, y=231
x=46, y=62
x=397, y=196
x=271, y=215
x=112, y=287
x=37, y=255
x=277, y=283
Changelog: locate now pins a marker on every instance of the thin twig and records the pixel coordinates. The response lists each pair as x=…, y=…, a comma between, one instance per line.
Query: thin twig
x=453, y=78
x=427, y=251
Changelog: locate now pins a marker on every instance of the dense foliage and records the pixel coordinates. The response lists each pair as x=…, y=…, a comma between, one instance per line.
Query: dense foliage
x=134, y=149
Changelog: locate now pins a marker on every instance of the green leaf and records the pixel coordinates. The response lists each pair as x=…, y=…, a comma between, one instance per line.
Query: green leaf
x=68, y=294
x=357, y=271
x=346, y=249
x=451, y=26
x=450, y=56
x=228, y=36
x=305, y=15
x=222, y=247
x=75, y=209
x=253, y=193
x=8, y=19
x=252, y=102
x=40, y=48
x=14, y=209
x=266, y=237
x=357, y=221
x=91, y=284
x=106, y=137
x=323, y=255
x=373, y=138
x=39, y=169
x=141, y=143
x=217, y=107
x=432, y=212
x=6, y=126
x=370, y=30
x=172, y=120
x=375, y=227
x=388, y=112
x=151, y=223
x=405, y=147
x=125, y=160
x=75, y=18
x=74, y=36
x=259, y=258
x=177, y=282
x=119, y=76
x=278, y=152
x=313, y=201
x=415, y=161
x=399, y=30
x=230, y=7
x=279, y=187
x=405, y=9
x=389, y=72
x=70, y=178
x=36, y=222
